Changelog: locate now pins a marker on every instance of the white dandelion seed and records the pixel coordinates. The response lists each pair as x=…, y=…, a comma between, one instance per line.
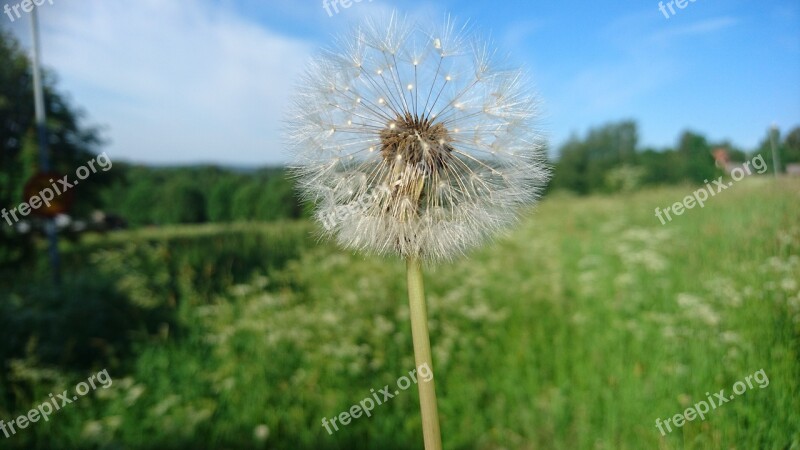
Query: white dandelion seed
x=412, y=142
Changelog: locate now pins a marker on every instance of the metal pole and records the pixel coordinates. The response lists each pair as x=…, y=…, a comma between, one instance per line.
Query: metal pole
x=44, y=155
x=776, y=160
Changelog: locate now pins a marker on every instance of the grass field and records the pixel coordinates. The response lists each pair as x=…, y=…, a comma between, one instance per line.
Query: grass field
x=577, y=330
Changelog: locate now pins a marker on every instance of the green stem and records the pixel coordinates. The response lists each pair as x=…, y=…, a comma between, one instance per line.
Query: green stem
x=422, y=355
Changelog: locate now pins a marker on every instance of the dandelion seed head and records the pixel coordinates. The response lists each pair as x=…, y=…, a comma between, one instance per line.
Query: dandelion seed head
x=411, y=141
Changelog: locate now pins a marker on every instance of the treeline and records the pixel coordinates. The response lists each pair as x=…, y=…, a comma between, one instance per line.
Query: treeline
x=161, y=196
x=609, y=159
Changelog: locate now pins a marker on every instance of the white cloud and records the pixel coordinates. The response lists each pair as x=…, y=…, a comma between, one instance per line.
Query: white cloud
x=702, y=27
x=175, y=83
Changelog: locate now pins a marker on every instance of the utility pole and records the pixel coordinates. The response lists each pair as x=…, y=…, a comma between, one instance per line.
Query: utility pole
x=41, y=132
x=776, y=160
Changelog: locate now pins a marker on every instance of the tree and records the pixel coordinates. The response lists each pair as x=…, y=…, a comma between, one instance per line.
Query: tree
x=584, y=164
x=765, y=151
x=137, y=204
x=661, y=167
x=243, y=203
x=696, y=159
x=277, y=200
x=71, y=144
x=183, y=203
x=220, y=200
x=791, y=147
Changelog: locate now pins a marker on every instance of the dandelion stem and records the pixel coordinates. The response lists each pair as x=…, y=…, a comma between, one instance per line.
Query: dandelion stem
x=422, y=355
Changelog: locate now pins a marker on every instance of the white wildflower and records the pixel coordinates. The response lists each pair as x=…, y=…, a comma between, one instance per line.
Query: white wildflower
x=261, y=433
x=92, y=429
x=411, y=141
x=789, y=284
x=729, y=337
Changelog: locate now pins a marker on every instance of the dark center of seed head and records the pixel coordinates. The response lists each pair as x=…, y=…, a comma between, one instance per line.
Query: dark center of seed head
x=416, y=140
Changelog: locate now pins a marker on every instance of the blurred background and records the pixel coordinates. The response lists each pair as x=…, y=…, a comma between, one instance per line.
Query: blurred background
x=184, y=264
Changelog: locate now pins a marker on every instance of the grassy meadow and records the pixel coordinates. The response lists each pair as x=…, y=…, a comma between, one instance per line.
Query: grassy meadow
x=576, y=330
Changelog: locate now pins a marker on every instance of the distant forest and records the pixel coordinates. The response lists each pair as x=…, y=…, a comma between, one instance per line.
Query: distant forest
x=608, y=159
x=159, y=196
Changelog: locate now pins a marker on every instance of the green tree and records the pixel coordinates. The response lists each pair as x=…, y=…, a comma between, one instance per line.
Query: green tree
x=190, y=202
x=138, y=203
x=220, y=200
x=661, y=167
x=277, y=200
x=765, y=151
x=243, y=203
x=791, y=147
x=71, y=144
x=583, y=165
x=696, y=160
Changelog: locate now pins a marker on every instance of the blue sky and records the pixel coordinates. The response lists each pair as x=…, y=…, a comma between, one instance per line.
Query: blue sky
x=187, y=81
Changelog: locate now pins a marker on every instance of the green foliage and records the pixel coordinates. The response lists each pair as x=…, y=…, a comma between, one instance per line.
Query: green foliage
x=186, y=205
x=245, y=201
x=71, y=145
x=602, y=161
x=138, y=203
x=193, y=264
x=788, y=148
x=220, y=199
x=183, y=195
x=84, y=322
x=791, y=147
x=279, y=199
x=661, y=167
x=697, y=162
x=625, y=178
x=575, y=331
x=583, y=164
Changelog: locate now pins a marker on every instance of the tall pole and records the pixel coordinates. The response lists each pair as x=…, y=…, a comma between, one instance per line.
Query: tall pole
x=41, y=132
x=776, y=161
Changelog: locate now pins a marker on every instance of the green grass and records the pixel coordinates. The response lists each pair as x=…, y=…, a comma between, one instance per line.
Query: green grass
x=577, y=330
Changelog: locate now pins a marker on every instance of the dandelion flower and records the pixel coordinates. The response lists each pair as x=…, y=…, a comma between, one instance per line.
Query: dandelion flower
x=415, y=141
